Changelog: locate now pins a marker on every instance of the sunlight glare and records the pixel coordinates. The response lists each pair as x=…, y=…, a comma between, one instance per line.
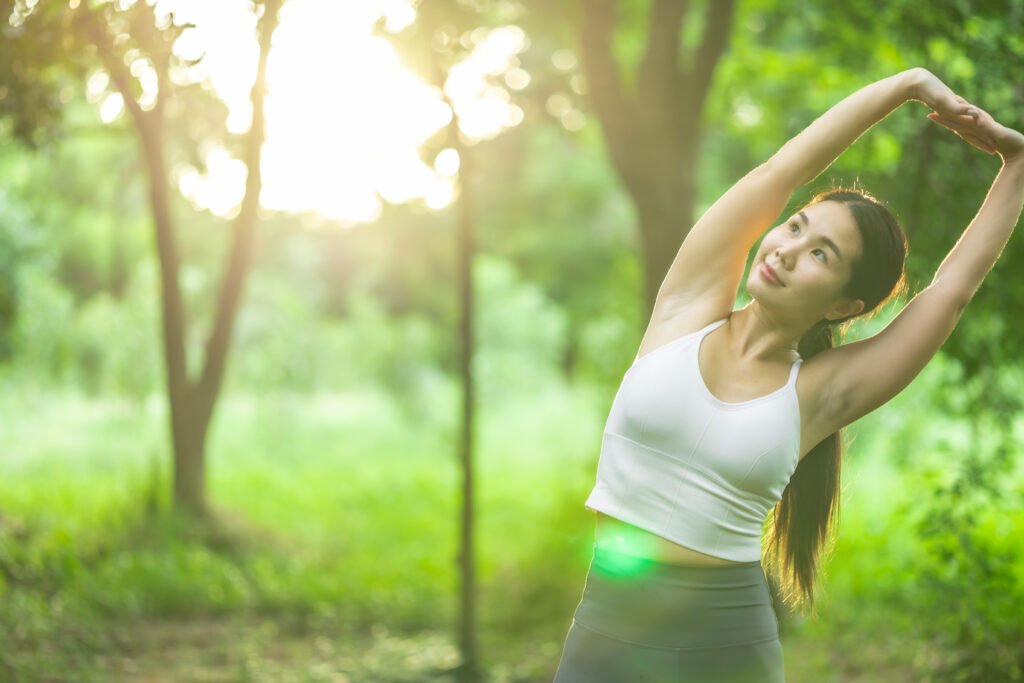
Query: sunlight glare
x=440, y=194
x=220, y=190
x=398, y=14
x=517, y=78
x=446, y=163
x=564, y=60
x=96, y=85
x=345, y=120
x=112, y=107
x=482, y=108
x=223, y=33
x=145, y=72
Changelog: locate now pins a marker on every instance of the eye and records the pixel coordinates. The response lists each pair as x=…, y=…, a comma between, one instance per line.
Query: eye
x=821, y=255
x=794, y=228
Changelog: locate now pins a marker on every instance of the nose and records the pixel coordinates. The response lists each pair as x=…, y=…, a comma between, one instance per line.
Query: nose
x=782, y=256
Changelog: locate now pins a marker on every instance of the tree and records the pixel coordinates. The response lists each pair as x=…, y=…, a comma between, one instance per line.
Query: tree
x=441, y=38
x=71, y=40
x=653, y=128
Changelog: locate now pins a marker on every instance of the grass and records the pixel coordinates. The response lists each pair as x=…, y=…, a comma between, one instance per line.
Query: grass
x=332, y=552
x=327, y=506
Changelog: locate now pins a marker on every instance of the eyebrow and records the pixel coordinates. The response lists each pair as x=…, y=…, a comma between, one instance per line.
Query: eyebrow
x=829, y=243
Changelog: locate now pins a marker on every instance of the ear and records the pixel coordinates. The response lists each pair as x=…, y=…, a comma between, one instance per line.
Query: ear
x=847, y=309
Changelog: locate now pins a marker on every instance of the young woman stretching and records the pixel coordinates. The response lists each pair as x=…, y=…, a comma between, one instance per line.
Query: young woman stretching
x=726, y=414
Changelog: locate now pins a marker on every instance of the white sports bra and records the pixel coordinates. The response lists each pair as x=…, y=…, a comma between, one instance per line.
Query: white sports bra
x=680, y=463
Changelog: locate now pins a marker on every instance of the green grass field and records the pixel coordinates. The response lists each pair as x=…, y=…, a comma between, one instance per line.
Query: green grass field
x=333, y=553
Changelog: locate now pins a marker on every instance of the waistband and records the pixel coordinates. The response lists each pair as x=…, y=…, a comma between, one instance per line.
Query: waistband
x=612, y=563
x=679, y=607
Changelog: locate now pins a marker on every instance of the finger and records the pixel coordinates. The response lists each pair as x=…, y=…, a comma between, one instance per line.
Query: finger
x=983, y=118
x=959, y=120
x=976, y=142
x=967, y=110
x=984, y=115
x=968, y=114
x=962, y=129
x=967, y=136
x=979, y=143
x=965, y=107
x=952, y=124
x=963, y=124
x=959, y=108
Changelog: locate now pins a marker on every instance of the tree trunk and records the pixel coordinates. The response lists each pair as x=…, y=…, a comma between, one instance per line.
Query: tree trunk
x=470, y=671
x=191, y=403
x=189, y=459
x=652, y=134
x=239, y=255
x=188, y=491
x=431, y=18
x=665, y=213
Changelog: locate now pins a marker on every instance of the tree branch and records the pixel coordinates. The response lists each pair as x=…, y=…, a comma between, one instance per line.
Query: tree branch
x=149, y=128
x=159, y=47
x=660, y=65
x=716, y=38
x=239, y=254
x=602, y=71
x=113, y=61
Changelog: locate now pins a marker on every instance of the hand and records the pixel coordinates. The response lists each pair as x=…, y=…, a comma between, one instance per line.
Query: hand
x=985, y=133
x=927, y=88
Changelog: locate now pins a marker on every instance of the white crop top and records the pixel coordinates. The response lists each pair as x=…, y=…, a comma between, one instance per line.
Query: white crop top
x=678, y=462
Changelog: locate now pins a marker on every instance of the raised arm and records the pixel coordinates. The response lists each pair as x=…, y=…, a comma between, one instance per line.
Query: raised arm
x=865, y=374
x=710, y=262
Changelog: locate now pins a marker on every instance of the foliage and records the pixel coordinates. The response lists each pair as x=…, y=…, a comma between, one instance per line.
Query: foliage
x=292, y=471
x=333, y=450
x=971, y=582
x=17, y=242
x=333, y=512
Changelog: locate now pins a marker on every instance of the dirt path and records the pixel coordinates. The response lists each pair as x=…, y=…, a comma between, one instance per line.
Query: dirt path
x=230, y=650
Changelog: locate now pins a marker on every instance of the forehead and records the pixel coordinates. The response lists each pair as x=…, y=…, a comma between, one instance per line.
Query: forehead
x=833, y=220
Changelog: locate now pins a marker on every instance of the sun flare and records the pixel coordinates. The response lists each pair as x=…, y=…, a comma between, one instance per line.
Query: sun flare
x=345, y=120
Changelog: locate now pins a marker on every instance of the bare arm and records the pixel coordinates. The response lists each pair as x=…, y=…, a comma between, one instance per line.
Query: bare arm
x=710, y=262
x=867, y=373
x=804, y=157
x=974, y=254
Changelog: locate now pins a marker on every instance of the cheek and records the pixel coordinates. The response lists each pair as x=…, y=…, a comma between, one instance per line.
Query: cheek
x=830, y=285
x=770, y=241
x=763, y=251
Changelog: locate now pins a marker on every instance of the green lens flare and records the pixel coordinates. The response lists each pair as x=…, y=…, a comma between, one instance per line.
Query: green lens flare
x=628, y=556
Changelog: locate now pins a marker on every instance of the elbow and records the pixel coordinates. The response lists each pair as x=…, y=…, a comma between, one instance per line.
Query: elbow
x=952, y=293
x=781, y=173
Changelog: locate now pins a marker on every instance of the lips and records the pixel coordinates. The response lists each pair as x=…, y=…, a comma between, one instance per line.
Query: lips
x=768, y=274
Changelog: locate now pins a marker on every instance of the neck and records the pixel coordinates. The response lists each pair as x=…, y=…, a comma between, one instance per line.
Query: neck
x=759, y=334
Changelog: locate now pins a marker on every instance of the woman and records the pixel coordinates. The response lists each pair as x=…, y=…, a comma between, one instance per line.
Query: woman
x=725, y=414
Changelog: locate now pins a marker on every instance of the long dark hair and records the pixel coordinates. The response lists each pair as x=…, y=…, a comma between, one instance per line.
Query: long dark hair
x=803, y=521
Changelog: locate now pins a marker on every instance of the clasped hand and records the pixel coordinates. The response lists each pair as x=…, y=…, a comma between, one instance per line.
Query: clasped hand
x=970, y=122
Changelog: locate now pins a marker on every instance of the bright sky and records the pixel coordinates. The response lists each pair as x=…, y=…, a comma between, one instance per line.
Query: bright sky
x=344, y=119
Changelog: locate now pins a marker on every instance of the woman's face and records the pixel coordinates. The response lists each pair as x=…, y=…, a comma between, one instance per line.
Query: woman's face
x=812, y=255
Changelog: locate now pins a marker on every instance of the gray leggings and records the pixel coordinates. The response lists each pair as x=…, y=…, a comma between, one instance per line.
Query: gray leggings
x=642, y=621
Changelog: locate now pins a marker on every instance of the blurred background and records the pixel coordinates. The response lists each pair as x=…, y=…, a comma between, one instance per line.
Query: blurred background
x=311, y=313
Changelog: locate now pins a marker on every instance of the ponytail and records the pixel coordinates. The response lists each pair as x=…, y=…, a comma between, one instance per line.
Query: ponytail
x=802, y=523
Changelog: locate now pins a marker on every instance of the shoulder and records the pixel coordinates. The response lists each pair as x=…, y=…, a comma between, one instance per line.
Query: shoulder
x=813, y=384
x=668, y=325
x=815, y=389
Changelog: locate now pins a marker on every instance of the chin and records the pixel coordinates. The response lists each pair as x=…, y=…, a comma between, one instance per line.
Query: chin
x=754, y=284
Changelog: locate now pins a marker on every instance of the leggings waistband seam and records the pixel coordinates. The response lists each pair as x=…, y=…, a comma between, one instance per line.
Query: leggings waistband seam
x=576, y=622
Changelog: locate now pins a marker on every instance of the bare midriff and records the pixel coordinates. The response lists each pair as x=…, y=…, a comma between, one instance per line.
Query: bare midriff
x=616, y=535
